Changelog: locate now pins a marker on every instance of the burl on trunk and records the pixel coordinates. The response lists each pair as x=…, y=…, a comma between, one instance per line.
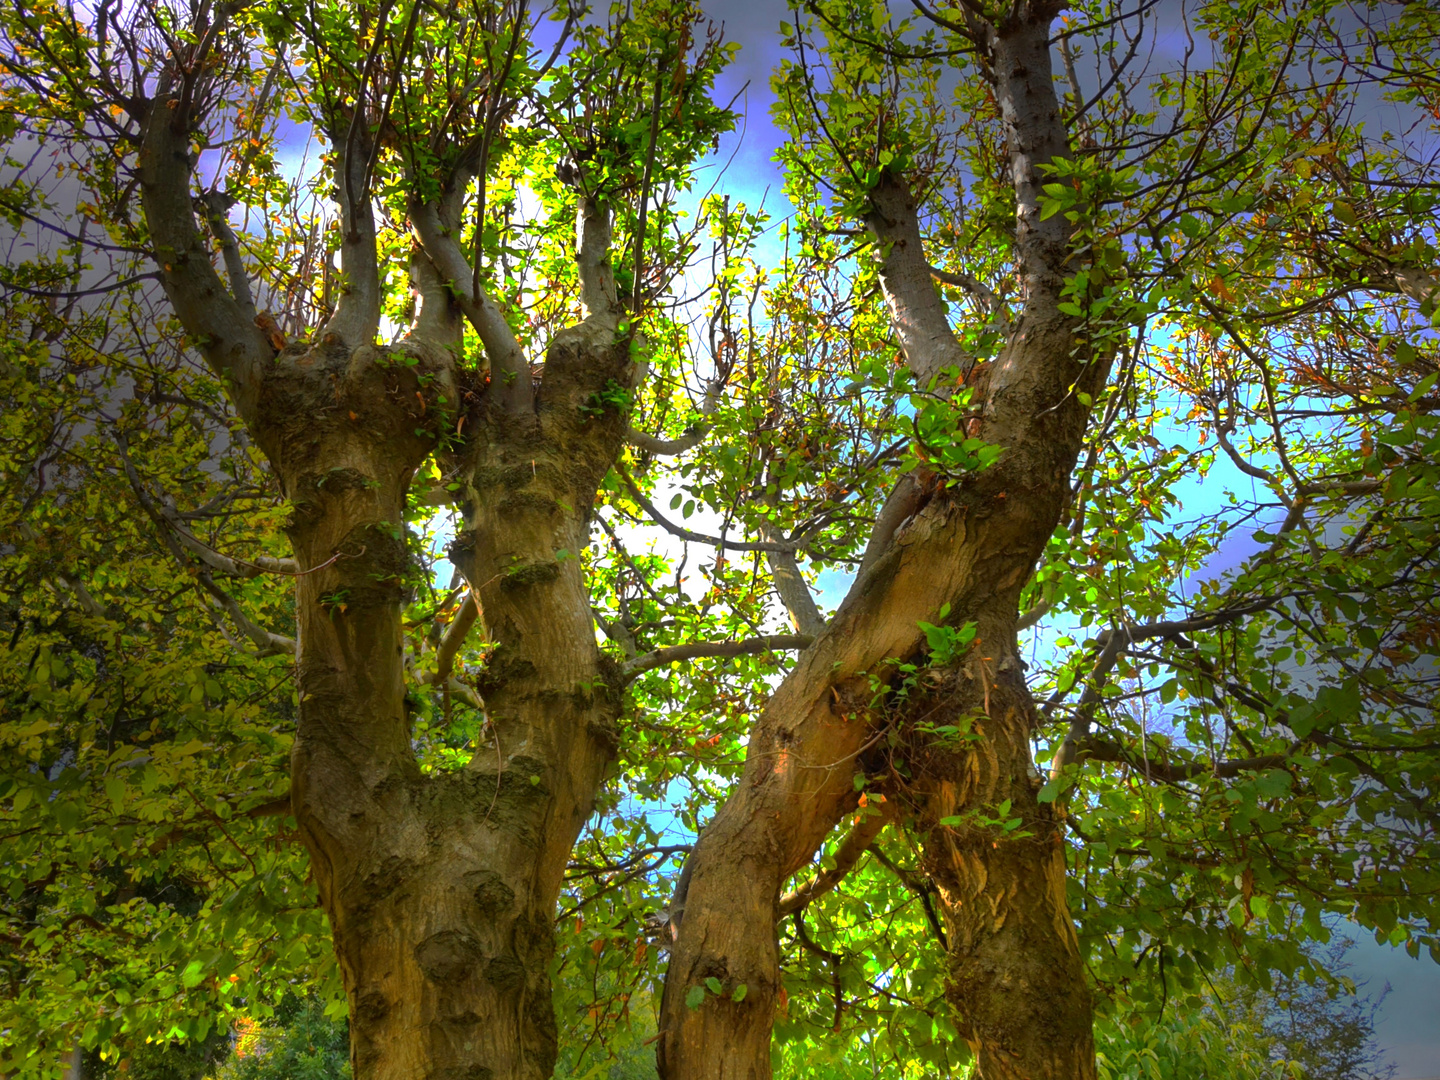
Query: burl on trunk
x=440, y=889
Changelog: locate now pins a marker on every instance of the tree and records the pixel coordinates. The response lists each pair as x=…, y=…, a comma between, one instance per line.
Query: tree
x=1016, y=317
x=438, y=888
x=1085, y=242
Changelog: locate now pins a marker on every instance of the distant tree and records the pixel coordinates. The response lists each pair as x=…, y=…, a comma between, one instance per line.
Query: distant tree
x=1326, y=1026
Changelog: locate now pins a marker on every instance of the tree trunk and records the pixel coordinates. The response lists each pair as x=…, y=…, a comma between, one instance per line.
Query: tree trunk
x=973, y=547
x=1017, y=983
x=441, y=889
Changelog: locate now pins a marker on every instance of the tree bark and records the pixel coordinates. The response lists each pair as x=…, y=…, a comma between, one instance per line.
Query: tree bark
x=441, y=889
x=972, y=547
x=1017, y=981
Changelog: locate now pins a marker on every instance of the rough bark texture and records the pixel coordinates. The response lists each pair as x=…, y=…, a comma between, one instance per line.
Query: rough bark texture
x=440, y=889
x=1017, y=982
x=973, y=547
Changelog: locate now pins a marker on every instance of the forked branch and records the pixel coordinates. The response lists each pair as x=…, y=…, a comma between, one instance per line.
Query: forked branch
x=509, y=372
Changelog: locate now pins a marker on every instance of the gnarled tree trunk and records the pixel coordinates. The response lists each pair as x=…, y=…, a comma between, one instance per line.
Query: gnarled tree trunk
x=440, y=889
x=1017, y=983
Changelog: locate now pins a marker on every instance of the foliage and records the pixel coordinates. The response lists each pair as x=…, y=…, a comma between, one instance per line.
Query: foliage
x=1235, y=625
x=147, y=884
x=301, y=1042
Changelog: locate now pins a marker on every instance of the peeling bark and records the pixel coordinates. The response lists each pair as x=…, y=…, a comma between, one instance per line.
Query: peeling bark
x=1017, y=983
x=972, y=547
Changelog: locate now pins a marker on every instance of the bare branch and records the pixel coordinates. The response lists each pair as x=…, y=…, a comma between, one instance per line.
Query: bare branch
x=694, y=537
x=916, y=310
x=226, y=336
x=216, y=205
x=661, y=657
x=509, y=373
x=855, y=844
x=593, y=239
x=1096, y=749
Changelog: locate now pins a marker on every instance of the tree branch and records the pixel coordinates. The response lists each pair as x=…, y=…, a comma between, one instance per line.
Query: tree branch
x=241, y=568
x=916, y=309
x=356, y=320
x=1097, y=749
x=509, y=372
x=685, y=534
x=1420, y=286
x=74, y=585
x=903, y=502
x=652, y=444
x=1034, y=615
x=1113, y=643
x=593, y=240
x=216, y=205
x=993, y=305
x=1036, y=136
x=266, y=643
x=455, y=635
x=660, y=657
x=693, y=436
x=795, y=592
x=225, y=335
x=919, y=888
x=857, y=841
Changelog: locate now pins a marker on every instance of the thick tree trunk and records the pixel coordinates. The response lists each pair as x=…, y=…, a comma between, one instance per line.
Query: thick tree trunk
x=441, y=889
x=973, y=547
x=1017, y=983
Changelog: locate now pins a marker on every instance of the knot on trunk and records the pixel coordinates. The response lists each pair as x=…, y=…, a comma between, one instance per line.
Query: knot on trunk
x=448, y=956
x=492, y=895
